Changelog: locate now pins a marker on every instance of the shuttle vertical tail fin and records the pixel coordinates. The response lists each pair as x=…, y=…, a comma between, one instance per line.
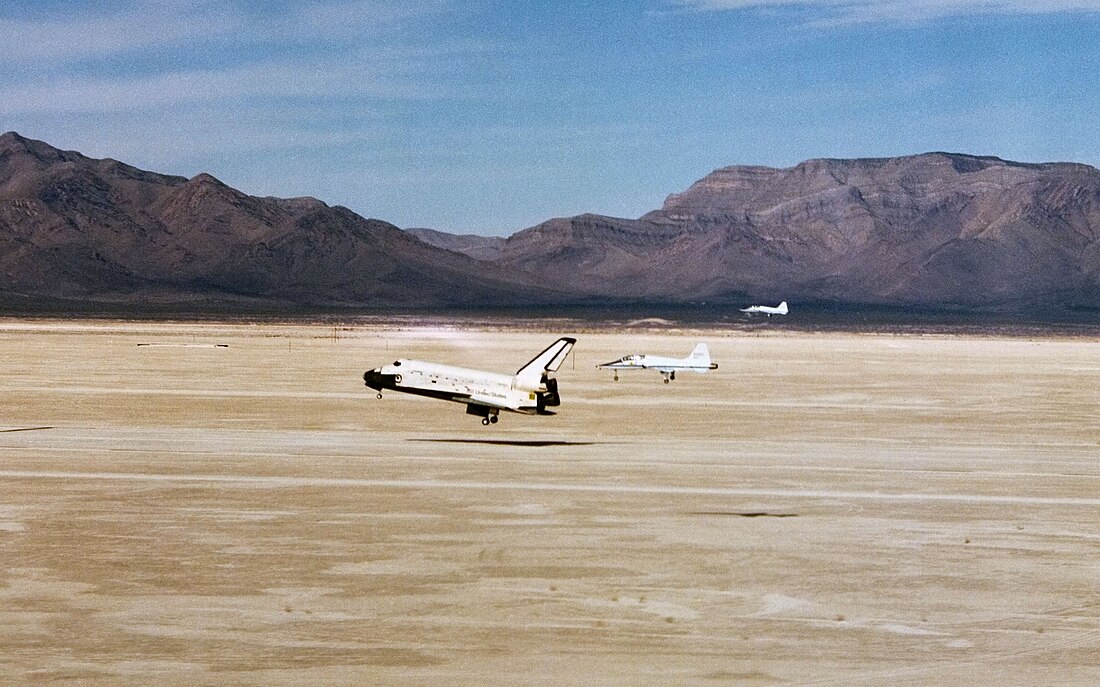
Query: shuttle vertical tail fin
x=530, y=375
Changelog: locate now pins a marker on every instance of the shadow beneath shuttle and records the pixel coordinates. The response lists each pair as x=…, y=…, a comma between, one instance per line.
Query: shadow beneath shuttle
x=535, y=443
x=759, y=514
x=25, y=429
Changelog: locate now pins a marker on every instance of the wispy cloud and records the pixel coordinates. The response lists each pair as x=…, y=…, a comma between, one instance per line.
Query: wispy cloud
x=825, y=12
x=149, y=25
x=173, y=54
x=38, y=41
x=177, y=83
x=277, y=80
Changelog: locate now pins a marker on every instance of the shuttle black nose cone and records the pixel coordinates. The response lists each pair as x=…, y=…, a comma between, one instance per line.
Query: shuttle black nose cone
x=373, y=379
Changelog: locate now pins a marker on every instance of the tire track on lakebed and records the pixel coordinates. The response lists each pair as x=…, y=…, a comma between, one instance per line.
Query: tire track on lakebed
x=278, y=482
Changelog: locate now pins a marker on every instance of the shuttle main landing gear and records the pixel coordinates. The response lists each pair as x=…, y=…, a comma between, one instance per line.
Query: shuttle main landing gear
x=488, y=415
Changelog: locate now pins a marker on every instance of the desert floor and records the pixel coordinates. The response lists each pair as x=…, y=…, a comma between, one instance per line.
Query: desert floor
x=823, y=509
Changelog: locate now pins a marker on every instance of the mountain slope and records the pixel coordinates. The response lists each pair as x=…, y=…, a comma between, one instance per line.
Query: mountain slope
x=78, y=229
x=474, y=245
x=938, y=230
x=935, y=230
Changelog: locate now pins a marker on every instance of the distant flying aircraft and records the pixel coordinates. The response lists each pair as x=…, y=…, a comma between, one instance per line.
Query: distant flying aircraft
x=531, y=390
x=698, y=361
x=780, y=309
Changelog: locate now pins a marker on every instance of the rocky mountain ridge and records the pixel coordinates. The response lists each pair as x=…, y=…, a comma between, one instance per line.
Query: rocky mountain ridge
x=938, y=231
x=79, y=230
x=932, y=230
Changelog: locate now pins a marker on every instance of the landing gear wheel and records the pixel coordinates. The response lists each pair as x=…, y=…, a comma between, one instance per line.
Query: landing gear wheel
x=485, y=421
x=380, y=395
x=616, y=378
x=666, y=380
x=494, y=419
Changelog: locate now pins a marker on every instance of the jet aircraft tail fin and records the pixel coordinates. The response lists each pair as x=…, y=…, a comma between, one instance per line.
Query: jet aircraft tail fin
x=700, y=358
x=700, y=355
x=782, y=309
x=530, y=376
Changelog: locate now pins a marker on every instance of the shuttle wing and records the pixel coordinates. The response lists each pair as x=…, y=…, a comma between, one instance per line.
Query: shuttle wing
x=490, y=402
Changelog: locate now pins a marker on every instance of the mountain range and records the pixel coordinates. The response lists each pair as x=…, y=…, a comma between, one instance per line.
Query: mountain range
x=936, y=230
x=75, y=230
x=933, y=230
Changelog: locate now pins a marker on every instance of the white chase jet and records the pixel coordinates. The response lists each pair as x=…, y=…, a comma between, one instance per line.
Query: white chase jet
x=531, y=390
x=768, y=310
x=698, y=361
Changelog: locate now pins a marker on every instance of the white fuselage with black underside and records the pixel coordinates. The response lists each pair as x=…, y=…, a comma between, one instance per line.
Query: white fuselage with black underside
x=460, y=385
x=531, y=390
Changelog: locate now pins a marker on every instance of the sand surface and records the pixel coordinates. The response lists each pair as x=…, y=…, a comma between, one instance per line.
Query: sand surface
x=229, y=505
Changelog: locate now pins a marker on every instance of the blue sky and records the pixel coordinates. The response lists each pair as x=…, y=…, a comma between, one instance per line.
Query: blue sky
x=488, y=117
